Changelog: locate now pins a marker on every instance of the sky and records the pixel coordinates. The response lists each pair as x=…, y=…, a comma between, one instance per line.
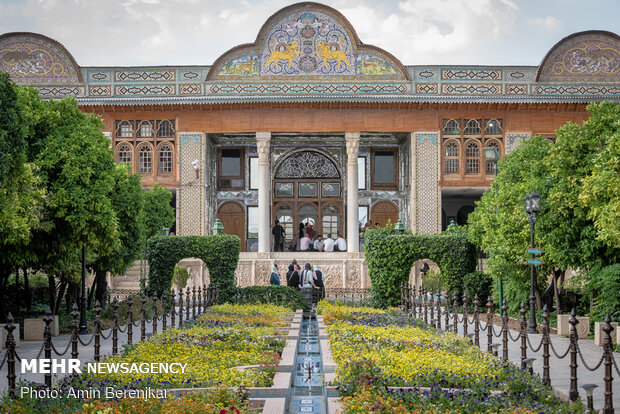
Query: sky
x=418, y=32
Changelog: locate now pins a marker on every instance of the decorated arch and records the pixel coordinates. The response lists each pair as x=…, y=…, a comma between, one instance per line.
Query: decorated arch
x=582, y=57
x=31, y=58
x=307, y=41
x=390, y=257
x=220, y=253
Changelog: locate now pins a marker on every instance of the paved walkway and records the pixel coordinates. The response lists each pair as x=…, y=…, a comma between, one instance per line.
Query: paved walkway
x=559, y=369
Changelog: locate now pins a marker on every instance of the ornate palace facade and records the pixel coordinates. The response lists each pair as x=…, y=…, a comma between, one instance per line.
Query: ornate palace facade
x=309, y=124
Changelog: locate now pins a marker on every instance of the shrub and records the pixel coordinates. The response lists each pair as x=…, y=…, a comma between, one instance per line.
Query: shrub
x=432, y=280
x=180, y=276
x=478, y=283
x=603, y=285
x=278, y=295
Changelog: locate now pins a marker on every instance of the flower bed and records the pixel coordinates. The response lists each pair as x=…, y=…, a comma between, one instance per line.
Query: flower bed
x=390, y=363
x=225, y=337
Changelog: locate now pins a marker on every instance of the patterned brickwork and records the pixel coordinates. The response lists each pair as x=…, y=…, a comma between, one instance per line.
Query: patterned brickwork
x=306, y=89
x=427, y=177
x=156, y=75
x=190, y=212
x=472, y=74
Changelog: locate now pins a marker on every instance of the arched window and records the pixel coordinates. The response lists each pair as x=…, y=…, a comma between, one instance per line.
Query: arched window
x=124, y=129
x=145, y=129
x=472, y=127
x=145, y=159
x=451, y=157
x=451, y=127
x=331, y=220
x=165, y=129
x=307, y=214
x=472, y=158
x=165, y=159
x=491, y=165
x=285, y=215
x=124, y=154
x=494, y=127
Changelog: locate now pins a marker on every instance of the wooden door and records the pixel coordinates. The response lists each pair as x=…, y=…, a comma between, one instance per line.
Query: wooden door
x=382, y=212
x=232, y=216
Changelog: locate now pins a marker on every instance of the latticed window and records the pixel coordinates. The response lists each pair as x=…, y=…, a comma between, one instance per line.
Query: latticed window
x=145, y=129
x=490, y=164
x=472, y=127
x=165, y=129
x=165, y=159
x=494, y=127
x=472, y=158
x=124, y=154
x=451, y=127
x=124, y=129
x=331, y=220
x=145, y=159
x=452, y=157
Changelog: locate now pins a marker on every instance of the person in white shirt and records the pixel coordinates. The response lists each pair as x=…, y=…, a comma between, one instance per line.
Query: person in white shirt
x=328, y=245
x=341, y=244
x=318, y=244
x=305, y=243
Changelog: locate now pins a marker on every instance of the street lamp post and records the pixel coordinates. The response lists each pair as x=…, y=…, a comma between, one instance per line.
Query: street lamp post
x=491, y=154
x=83, y=323
x=532, y=206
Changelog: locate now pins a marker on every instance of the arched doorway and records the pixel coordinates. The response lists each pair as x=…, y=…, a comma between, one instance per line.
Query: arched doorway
x=462, y=214
x=384, y=212
x=307, y=188
x=232, y=216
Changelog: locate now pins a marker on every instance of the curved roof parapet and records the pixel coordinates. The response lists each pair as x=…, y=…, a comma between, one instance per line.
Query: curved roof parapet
x=307, y=41
x=591, y=56
x=31, y=58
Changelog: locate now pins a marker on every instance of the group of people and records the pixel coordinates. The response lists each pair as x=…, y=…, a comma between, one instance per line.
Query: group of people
x=309, y=277
x=308, y=240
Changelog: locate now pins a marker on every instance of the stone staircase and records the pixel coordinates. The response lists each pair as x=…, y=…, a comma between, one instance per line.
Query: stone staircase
x=129, y=281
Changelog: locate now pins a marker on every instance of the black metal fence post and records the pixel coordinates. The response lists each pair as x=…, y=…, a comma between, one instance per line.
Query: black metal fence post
x=154, y=313
x=455, y=312
x=489, y=324
x=607, y=349
x=173, y=309
x=465, y=317
x=188, y=300
x=115, y=327
x=432, y=308
x=425, y=305
x=180, y=306
x=164, y=311
x=74, y=330
x=97, y=356
x=10, y=360
x=573, y=392
x=438, y=308
x=545, y=340
x=505, y=331
x=523, y=336
x=143, y=317
x=476, y=321
x=47, y=337
x=199, y=300
x=194, y=302
x=130, y=320
x=446, y=311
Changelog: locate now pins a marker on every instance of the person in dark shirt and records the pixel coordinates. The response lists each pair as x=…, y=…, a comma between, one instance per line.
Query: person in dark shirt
x=292, y=277
x=278, y=237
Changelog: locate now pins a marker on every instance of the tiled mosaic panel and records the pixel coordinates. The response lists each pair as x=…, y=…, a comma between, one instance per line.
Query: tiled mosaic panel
x=427, y=176
x=35, y=59
x=513, y=141
x=150, y=75
x=296, y=88
x=190, y=194
x=60, y=91
x=471, y=74
x=576, y=90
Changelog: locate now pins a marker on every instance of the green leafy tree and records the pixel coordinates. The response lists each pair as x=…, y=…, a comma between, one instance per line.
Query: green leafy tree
x=76, y=166
x=21, y=195
x=157, y=213
x=127, y=202
x=576, y=226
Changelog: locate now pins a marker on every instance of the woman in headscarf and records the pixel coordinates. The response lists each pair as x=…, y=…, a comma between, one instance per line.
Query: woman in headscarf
x=275, y=277
x=300, y=234
x=307, y=277
x=318, y=281
x=292, y=277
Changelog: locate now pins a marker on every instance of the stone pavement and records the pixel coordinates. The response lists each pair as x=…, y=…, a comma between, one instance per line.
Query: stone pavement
x=559, y=369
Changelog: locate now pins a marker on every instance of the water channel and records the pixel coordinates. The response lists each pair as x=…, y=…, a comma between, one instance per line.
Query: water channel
x=308, y=393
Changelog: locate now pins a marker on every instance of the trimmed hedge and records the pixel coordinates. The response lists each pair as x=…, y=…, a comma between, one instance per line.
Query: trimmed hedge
x=390, y=256
x=277, y=295
x=220, y=253
x=478, y=283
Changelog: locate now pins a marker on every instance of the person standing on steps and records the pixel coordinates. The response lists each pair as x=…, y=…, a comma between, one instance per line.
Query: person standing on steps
x=292, y=277
x=319, y=282
x=275, y=277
